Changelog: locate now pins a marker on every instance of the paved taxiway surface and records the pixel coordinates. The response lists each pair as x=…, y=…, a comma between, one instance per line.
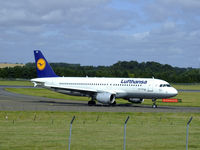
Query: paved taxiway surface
x=18, y=102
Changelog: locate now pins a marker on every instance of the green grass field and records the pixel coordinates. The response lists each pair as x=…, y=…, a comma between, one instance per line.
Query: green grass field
x=187, y=86
x=188, y=98
x=28, y=83
x=45, y=93
x=99, y=131
x=16, y=83
x=191, y=99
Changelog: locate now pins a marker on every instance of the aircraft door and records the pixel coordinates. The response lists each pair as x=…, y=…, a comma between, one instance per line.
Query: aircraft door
x=150, y=88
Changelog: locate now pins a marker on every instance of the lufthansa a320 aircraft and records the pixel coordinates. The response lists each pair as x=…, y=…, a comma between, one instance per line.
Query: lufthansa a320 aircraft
x=103, y=90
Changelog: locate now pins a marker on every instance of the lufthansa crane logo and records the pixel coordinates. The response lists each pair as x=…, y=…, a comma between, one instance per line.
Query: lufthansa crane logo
x=41, y=64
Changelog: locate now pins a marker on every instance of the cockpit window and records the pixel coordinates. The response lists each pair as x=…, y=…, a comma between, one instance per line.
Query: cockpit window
x=165, y=85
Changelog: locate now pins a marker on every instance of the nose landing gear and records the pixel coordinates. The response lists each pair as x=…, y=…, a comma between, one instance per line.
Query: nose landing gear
x=154, y=103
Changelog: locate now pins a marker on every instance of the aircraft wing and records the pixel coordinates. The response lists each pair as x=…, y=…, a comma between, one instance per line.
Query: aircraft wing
x=87, y=91
x=74, y=89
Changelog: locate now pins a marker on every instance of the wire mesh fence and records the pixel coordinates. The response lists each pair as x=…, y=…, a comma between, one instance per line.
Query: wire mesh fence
x=40, y=130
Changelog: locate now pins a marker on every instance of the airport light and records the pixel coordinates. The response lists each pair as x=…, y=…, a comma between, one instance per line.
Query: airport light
x=70, y=131
x=187, y=130
x=125, y=132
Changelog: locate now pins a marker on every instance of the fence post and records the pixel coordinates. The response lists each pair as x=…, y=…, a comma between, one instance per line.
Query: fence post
x=187, y=130
x=125, y=132
x=70, y=131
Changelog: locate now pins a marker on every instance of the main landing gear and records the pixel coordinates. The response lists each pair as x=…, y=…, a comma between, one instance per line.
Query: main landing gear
x=113, y=104
x=154, y=103
x=91, y=102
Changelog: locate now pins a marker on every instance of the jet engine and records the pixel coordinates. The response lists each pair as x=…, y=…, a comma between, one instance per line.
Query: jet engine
x=105, y=98
x=135, y=100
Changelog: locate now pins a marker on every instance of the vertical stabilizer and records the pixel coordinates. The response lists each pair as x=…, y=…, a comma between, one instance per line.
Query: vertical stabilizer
x=42, y=66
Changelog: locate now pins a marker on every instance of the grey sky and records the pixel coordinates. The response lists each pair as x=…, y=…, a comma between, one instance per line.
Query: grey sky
x=101, y=32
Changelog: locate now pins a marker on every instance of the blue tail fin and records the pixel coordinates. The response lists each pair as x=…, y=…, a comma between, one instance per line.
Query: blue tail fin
x=42, y=66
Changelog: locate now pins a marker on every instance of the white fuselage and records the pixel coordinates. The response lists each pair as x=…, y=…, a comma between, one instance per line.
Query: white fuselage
x=148, y=88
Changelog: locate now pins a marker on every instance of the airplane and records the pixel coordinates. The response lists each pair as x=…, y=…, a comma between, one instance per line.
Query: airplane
x=101, y=89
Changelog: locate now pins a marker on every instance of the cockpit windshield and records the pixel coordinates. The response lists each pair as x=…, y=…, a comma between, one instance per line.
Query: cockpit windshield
x=165, y=85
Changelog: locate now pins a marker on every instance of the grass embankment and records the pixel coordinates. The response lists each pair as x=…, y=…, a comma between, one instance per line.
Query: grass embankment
x=4, y=65
x=191, y=99
x=45, y=93
x=187, y=86
x=50, y=130
x=28, y=83
x=188, y=98
x=16, y=83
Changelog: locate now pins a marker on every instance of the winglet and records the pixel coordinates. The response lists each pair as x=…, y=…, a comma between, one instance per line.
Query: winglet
x=42, y=66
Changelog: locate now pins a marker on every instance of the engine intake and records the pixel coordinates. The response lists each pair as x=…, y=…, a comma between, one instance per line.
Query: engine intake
x=105, y=98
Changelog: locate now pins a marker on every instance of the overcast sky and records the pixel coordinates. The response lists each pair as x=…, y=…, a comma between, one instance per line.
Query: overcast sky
x=101, y=32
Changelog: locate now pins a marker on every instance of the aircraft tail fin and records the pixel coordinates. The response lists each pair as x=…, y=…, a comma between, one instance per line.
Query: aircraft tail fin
x=42, y=66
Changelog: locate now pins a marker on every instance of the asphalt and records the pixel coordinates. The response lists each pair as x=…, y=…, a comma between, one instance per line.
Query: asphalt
x=18, y=102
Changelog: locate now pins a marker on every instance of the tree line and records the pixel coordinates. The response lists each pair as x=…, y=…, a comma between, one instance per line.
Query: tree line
x=129, y=69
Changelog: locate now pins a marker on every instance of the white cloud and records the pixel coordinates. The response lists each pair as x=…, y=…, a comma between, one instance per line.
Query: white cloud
x=141, y=36
x=179, y=10
x=102, y=32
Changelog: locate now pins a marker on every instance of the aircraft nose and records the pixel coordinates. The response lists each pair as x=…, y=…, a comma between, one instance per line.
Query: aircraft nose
x=174, y=92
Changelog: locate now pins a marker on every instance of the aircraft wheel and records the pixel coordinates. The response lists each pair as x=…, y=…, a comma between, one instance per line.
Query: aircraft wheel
x=114, y=103
x=154, y=106
x=91, y=103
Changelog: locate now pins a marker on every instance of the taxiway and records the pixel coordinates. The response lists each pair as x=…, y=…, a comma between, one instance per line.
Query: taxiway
x=18, y=102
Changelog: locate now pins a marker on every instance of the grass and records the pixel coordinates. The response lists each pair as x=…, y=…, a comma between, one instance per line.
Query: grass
x=28, y=83
x=50, y=130
x=4, y=65
x=191, y=99
x=16, y=83
x=45, y=93
x=188, y=98
x=187, y=86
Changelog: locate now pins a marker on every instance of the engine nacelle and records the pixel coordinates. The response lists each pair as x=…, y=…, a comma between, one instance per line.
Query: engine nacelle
x=105, y=98
x=135, y=100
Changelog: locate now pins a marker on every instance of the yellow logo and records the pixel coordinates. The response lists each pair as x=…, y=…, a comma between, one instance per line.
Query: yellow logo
x=41, y=64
